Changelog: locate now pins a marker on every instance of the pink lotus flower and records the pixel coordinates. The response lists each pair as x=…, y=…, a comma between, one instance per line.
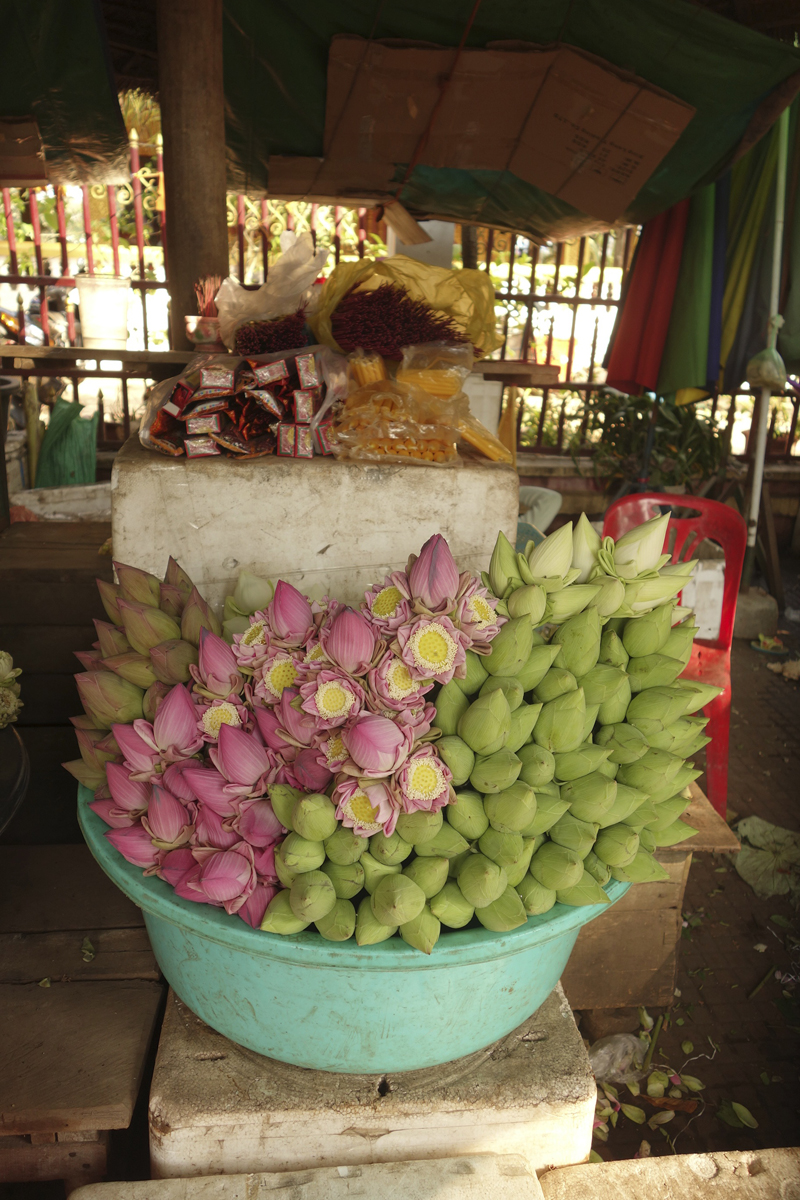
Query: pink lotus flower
x=393, y=687
x=376, y=745
x=175, y=781
x=310, y=774
x=433, y=577
x=242, y=758
x=227, y=877
x=281, y=669
x=215, y=674
x=349, y=641
x=432, y=648
x=366, y=807
x=257, y=823
x=113, y=816
x=424, y=782
x=167, y=820
x=211, y=830
x=135, y=845
x=387, y=605
x=331, y=751
x=254, y=907
x=251, y=648
x=264, y=859
x=214, y=790
x=138, y=586
x=417, y=719
x=175, y=865
x=128, y=794
x=153, y=698
x=476, y=614
x=268, y=723
x=172, y=736
x=211, y=717
x=289, y=615
x=332, y=698
x=297, y=727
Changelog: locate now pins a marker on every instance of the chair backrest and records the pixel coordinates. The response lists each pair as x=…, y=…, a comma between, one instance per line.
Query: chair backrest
x=713, y=520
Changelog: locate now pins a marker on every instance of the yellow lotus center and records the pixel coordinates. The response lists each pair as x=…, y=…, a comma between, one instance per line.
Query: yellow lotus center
x=255, y=635
x=425, y=781
x=335, y=751
x=482, y=613
x=433, y=649
x=399, y=683
x=281, y=674
x=386, y=602
x=332, y=700
x=220, y=714
x=315, y=655
x=360, y=810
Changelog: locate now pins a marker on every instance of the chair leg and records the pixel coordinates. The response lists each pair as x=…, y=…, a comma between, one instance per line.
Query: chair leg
x=719, y=725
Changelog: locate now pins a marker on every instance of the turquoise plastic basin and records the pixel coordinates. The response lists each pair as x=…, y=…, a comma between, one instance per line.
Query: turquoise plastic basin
x=335, y=1006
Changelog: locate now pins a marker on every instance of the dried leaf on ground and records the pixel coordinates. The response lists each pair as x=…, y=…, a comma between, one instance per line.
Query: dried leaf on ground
x=669, y=1105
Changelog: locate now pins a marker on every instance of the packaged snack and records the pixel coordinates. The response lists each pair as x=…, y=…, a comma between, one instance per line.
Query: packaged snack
x=205, y=406
x=200, y=447
x=438, y=367
x=303, y=442
x=307, y=371
x=267, y=400
x=208, y=423
x=269, y=372
x=365, y=368
x=286, y=441
x=303, y=401
x=322, y=442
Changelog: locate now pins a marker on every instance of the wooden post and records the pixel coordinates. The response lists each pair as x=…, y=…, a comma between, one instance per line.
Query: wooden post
x=193, y=121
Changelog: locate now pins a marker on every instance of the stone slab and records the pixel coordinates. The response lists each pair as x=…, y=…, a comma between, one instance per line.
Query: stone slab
x=320, y=524
x=484, y=1177
x=722, y=1175
x=216, y=1108
x=756, y=612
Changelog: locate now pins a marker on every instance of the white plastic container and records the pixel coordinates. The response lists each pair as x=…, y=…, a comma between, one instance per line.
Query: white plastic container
x=104, y=311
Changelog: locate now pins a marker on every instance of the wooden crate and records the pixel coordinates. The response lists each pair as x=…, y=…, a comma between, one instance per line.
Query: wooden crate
x=628, y=956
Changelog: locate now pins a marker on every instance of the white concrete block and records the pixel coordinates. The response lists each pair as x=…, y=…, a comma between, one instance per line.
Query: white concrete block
x=320, y=524
x=216, y=1108
x=484, y=1177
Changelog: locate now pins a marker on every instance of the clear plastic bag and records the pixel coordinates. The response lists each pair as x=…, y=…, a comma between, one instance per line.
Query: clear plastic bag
x=440, y=368
x=618, y=1058
x=391, y=421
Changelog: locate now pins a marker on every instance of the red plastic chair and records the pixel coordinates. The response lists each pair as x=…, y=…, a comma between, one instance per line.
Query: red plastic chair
x=710, y=660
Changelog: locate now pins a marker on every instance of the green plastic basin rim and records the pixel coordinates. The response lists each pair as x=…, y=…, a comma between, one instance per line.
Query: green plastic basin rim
x=156, y=897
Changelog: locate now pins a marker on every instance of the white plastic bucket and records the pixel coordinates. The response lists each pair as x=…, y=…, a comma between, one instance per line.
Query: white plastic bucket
x=104, y=311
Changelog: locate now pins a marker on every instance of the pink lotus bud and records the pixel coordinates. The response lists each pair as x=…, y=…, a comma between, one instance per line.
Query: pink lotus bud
x=146, y=627
x=311, y=775
x=113, y=816
x=139, y=753
x=109, y=595
x=254, y=907
x=153, y=698
x=175, y=865
x=172, y=659
x=269, y=723
x=91, y=660
x=257, y=823
x=176, y=782
x=90, y=776
x=187, y=888
x=264, y=859
x=177, y=577
x=175, y=727
x=130, y=795
x=172, y=601
x=349, y=641
x=196, y=616
x=213, y=789
x=111, y=638
x=433, y=577
x=228, y=877
x=290, y=616
x=108, y=698
x=139, y=587
x=166, y=820
x=377, y=745
x=300, y=727
x=216, y=671
x=134, y=667
x=135, y=845
x=240, y=756
x=211, y=830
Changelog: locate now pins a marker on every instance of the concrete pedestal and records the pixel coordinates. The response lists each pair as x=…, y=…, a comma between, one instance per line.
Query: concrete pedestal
x=216, y=1108
x=320, y=524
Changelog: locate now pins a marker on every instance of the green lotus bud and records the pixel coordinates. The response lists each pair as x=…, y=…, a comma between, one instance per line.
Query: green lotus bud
x=476, y=674
x=601, y=683
x=495, y=772
x=596, y=868
x=586, y=891
x=481, y=880
x=536, y=898
x=504, y=914
x=693, y=747
x=577, y=763
x=508, y=685
x=570, y=601
x=340, y=922
x=556, y=682
x=678, y=831
x=673, y=739
x=347, y=880
x=524, y=572
x=552, y=558
x=419, y=827
x=311, y=896
x=196, y=615
x=616, y=845
x=647, y=634
x=314, y=817
x=578, y=640
x=679, y=643
x=589, y=797
x=517, y=870
x=540, y=660
x=430, y=874
x=651, y=771
x=668, y=811
x=556, y=867
x=389, y=850
x=656, y=704
x=640, y=816
x=502, y=848
x=529, y=601
x=283, y=799
x=643, y=869
x=486, y=724
x=397, y=899
x=467, y=815
x=285, y=877
x=548, y=810
x=647, y=840
x=345, y=847
x=538, y=765
x=301, y=855
x=653, y=670
x=447, y=844
x=700, y=694
x=502, y=565
x=614, y=709
x=627, y=801
x=374, y=871
x=450, y=907
x=451, y=704
x=523, y=720
x=279, y=917
x=369, y=930
x=422, y=932
x=612, y=650
x=611, y=595
x=681, y=780
x=549, y=789
x=145, y=627
x=589, y=722
x=625, y=743
x=456, y=755
x=608, y=769
x=511, y=810
x=574, y=834
x=136, y=668
x=455, y=864
x=511, y=648
x=560, y=724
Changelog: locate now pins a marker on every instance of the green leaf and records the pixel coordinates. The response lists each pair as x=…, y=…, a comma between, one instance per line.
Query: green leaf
x=645, y=1020
x=610, y=1091
x=764, y=1077
x=87, y=950
x=594, y=1157
x=661, y=1118
x=680, y=1021
x=692, y=1083
x=687, y=1047
x=633, y=1113
x=726, y=1113
x=781, y=921
x=744, y=1115
x=634, y=1089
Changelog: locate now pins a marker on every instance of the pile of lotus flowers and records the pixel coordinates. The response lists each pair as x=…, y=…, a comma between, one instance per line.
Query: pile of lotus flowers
x=457, y=751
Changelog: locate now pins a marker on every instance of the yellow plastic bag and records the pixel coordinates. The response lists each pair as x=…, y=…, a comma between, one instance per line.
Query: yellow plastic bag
x=466, y=296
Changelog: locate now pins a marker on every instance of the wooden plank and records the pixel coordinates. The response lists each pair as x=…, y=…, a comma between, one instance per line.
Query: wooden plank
x=49, y=596
x=77, y=1054
x=23, y=1162
x=74, y=354
x=644, y=897
x=118, y=954
x=49, y=700
x=47, y=649
x=48, y=813
x=714, y=835
x=773, y=558
x=55, y=888
x=624, y=962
